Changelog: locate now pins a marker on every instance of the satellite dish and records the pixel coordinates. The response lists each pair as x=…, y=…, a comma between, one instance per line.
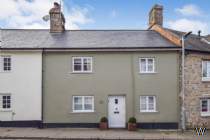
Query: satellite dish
x=46, y=18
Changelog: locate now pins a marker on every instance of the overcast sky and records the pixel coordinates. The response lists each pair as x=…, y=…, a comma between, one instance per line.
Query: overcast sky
x=184, y=15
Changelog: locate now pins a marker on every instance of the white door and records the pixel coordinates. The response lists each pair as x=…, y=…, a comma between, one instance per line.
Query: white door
x=116, y=110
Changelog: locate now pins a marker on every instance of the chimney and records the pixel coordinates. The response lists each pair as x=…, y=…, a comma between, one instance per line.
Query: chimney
x=57, y=20
x=156, y=15
x=208, y=37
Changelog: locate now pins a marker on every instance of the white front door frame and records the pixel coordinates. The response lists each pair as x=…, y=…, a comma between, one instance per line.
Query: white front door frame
x=117, y=111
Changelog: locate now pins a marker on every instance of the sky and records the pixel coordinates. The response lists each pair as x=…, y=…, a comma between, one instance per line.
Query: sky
x=183, y=15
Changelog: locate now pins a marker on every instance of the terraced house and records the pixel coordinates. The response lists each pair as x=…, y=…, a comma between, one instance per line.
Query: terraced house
x=88, y=74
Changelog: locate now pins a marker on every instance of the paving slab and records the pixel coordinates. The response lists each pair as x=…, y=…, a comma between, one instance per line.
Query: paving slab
x=96, y=134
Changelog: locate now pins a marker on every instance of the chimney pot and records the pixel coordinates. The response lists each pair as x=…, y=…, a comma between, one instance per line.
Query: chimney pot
x=156, y=15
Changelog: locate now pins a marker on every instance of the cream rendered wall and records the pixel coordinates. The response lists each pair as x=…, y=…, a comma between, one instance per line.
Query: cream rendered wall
x=24, y=85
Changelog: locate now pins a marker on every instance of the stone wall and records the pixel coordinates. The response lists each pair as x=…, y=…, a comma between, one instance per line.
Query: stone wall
x=195, y=88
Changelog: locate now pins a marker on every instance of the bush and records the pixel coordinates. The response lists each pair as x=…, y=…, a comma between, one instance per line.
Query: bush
x=104, y=119
x=132, y=120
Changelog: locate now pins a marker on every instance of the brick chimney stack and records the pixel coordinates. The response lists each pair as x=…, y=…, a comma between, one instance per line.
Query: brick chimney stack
x=208, y=37
x=156, y=15
x=57, y=20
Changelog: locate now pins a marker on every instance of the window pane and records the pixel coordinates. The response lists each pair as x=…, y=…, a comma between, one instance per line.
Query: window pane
x=87, y=67
x=151, y=106
x=88, y=103
x=143, y=65
x=78, y=100
x=204, y=68
x=150, y=65
x=6, y=63
x=78, y=107
x=88, y=107
x=88, y=100
x=151, y=99
x=77, y=61
x=4, y=106
x=77, y=64
x=204, y=106
x=143, y=99
x=143, y=105
x=77, y=67
x=6, y=102
x=208, y=69
x=87, y=64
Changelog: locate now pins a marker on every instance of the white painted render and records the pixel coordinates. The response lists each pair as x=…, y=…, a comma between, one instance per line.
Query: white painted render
x=24, y=84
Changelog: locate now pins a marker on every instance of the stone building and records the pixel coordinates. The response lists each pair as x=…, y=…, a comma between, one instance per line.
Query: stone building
x=197, y=72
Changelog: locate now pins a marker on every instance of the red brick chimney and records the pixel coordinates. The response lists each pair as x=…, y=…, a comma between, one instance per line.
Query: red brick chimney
x=156, y=15
x=57, y=20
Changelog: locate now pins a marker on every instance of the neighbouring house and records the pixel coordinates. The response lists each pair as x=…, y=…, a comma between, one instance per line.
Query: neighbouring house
x=72, y=78
x=20, y=80
x=197, y=71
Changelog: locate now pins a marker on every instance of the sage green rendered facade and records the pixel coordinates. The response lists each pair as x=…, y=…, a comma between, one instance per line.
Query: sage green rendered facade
x=114, y=73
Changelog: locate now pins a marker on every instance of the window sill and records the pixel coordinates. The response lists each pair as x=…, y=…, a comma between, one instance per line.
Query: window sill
x=81, y=72
x=147, y=72
x=149, y=111
x=5, y=71
x=205, y=114
x=5, y=110
x=205, y=79
x=82, y=112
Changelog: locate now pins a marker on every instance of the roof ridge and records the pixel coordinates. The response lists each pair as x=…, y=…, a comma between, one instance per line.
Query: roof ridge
x=79, y=30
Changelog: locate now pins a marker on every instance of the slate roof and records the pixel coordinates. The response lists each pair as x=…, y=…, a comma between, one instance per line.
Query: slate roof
x=29, y=38
x=193, y=42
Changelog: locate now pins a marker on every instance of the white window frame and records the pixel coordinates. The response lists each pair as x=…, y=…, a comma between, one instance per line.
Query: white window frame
x=147, y=103
x=146, y=60
x=2, y=63
x=205, y=78
x=208, y=107
x=1, y=102
x=83, y=105
x=82, y=65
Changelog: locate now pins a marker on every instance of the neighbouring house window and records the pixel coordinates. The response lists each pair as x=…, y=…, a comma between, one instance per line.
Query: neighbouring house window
x=205, y=107
x=82, y=64
x=83, y=103
x=206, y=70
x=147, y=104
x=5, y=62
x=147, y=65
x=5, y=101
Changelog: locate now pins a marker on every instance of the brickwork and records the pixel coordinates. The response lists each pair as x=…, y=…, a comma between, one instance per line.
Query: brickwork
x=156, y=15
x=195, y=88
x=57, y=20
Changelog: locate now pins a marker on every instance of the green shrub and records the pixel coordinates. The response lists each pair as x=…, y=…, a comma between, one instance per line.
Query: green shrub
x=132, y=120
x=104, y=119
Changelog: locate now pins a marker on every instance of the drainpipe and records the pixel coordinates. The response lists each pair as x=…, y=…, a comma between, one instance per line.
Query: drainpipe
x=184, y=37
x=0, y=38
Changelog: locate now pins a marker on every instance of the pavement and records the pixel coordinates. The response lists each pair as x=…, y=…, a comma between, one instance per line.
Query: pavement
x=96, y=134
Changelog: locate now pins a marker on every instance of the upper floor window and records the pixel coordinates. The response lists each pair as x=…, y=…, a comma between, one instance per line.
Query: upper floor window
x=147, y=104
x=83, y=103
x=5, y=62
x=147, y=65
x=205, y=107
x=82, y=64
x=206, y=70
x=5, y=101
